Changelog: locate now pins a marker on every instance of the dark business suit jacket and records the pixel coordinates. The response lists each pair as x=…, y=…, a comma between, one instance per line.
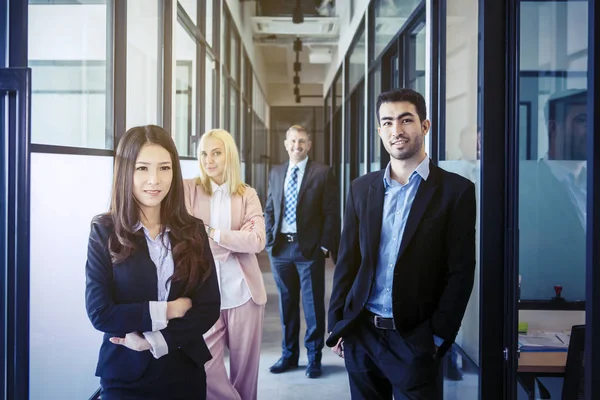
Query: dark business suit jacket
x=117, y=303
x=434, y=272
x=317, y=210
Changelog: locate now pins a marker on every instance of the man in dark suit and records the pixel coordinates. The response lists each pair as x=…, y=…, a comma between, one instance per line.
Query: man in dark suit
x=302, y=224
x=406, y=263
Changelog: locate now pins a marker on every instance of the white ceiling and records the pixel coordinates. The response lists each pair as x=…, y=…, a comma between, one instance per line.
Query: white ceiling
x=274, y=37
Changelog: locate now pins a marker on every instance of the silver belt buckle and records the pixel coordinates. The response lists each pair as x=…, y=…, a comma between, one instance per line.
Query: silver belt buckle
x=290, y=238
x=376, y=319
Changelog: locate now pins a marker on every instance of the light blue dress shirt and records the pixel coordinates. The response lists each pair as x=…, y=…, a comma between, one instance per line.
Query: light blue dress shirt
x=398, y=200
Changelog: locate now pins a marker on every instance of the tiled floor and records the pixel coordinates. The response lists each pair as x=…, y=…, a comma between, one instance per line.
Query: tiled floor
x=334, y=382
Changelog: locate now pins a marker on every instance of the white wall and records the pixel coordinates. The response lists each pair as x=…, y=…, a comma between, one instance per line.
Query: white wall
x=66, y=192
x=551, y=320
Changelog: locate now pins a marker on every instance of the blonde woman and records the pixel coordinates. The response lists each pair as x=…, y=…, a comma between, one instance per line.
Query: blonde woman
x=235, y=225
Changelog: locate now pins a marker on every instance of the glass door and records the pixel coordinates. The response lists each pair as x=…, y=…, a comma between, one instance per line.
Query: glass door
x=458, y=136
x=551, y=196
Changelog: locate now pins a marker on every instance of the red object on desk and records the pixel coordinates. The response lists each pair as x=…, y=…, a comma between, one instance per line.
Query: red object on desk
x=558, y=290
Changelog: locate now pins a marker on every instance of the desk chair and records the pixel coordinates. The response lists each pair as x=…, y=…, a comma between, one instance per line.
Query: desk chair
x=574, y=371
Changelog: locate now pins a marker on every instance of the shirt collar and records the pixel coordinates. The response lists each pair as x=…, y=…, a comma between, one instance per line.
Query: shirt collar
x=301, y=165
x=215, y=187
x=422, y=170
x=139, y=226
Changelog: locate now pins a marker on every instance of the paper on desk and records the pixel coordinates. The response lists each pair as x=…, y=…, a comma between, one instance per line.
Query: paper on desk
x=544, y=341
x=564, y=337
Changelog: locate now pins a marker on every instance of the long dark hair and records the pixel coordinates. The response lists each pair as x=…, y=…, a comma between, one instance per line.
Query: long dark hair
x=191, y=265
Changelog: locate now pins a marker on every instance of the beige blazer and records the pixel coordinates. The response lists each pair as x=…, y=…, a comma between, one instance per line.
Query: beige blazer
x=243, y=241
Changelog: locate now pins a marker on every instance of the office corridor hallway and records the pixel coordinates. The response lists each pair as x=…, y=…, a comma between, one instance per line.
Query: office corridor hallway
x=333, y=384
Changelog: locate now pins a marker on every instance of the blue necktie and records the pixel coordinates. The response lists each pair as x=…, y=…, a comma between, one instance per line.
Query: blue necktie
x=291, y=197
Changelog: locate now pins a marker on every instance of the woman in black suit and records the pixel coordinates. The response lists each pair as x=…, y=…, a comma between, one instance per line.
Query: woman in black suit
x=151, y=285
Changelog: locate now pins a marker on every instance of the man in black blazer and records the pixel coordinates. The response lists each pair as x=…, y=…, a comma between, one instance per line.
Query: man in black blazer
x=302, y=224
x=406, y=263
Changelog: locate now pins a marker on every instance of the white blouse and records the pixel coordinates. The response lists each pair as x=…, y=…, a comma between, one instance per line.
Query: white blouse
x=159, y=250
x=232, y=285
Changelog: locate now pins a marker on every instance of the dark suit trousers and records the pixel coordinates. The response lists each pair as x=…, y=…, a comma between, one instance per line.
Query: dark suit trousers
x=293, y=273
x=382, y=364
x=173, y=376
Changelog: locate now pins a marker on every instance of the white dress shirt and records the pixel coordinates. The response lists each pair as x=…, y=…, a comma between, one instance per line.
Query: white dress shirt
x=285, y=227
x=159, y=249
x=232, y=285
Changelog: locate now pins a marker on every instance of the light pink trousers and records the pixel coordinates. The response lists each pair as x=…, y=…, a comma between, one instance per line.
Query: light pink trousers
x=240, y=330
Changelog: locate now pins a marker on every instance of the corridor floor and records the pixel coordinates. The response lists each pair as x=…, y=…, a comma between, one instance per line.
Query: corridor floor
x=333, y=384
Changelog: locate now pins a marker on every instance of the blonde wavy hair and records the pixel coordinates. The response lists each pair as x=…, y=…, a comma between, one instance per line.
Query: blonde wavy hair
x=232, y=173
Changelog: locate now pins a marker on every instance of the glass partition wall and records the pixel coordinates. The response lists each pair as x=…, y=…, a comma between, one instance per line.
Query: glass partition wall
x=551, y=162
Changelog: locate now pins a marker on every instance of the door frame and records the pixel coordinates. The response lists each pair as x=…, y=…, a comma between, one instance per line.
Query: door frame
x=592, y=316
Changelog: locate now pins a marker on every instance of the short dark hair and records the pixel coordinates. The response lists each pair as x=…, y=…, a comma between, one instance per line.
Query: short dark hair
x=408, y=95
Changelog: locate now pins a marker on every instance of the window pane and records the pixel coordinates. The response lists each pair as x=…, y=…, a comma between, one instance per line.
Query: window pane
x=208, y=35
x=209, y=95
x=259, y=164
x=70, y=76
x=356, y=68
x=461, y=377
x=339, y=87
x=552, y=137
x=390, y=16
x=185, y=89
x=416, y=69
x=144, y=84
x=190, y=7
x=234, y=54
x=234, y=114
x=374, y=142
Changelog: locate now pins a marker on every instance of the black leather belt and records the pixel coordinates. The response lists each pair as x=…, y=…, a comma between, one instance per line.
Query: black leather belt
x=289, y=237
x=380, y=322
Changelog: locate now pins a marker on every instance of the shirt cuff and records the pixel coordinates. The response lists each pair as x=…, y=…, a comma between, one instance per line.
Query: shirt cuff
x=324, y=249
x=158, y=315
x=158, y=345
x=438, y=340
x=217, y=235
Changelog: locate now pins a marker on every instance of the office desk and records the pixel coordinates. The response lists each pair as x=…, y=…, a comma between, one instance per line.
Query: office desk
x=535, y=364
x=540, y=362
